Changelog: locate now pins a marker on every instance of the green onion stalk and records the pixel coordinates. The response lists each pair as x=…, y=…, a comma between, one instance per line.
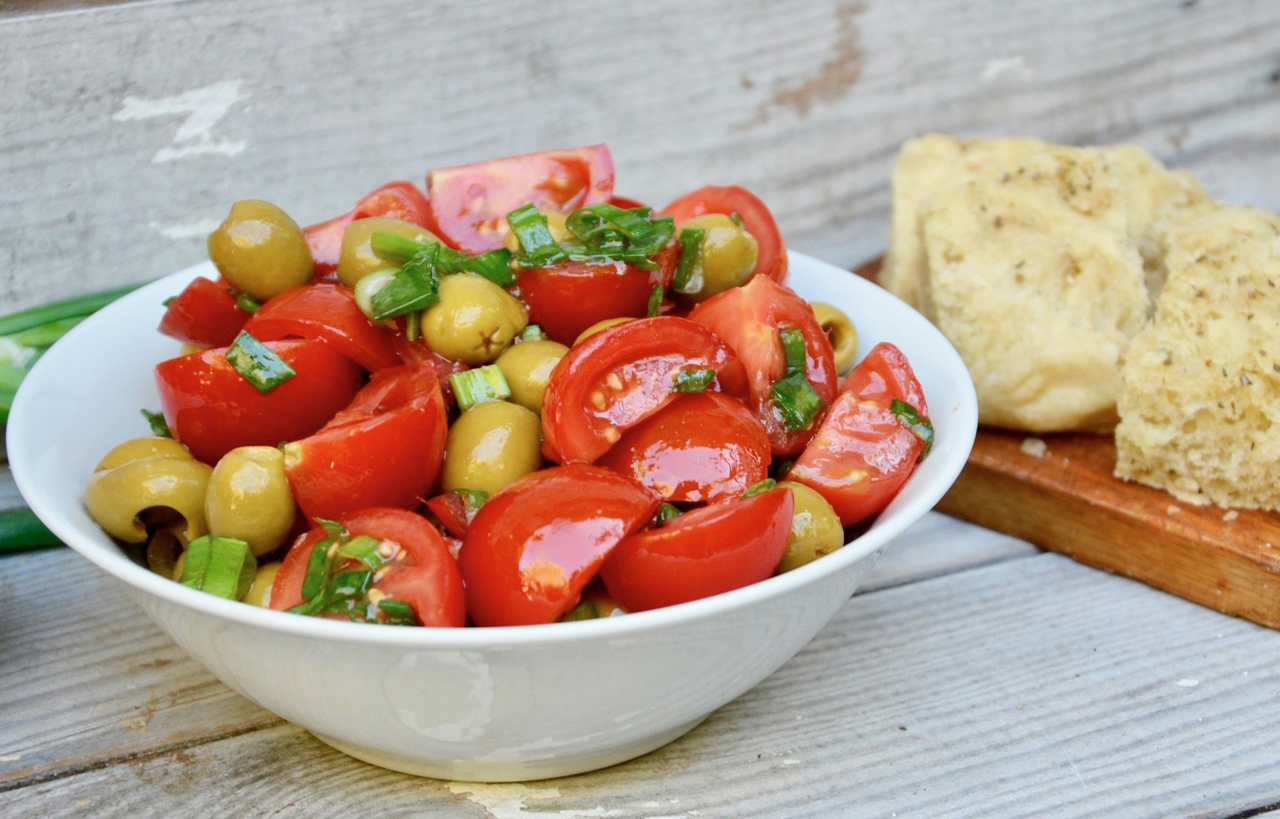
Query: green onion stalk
x=24, y=337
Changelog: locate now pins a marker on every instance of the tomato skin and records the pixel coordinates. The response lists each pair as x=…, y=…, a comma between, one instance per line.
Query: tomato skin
x=750, y=318
x=212, y=409
x=450, y=509
x=204, y=313
x=469, y=203
x=771, y=251
x=384, y=449
x=427, y=576
x=618, y=377
x=701, y=447
x=397, y=200
x=862, y=454
x=533, y=547
x=567, y=298
x=706, y=551
x=328, y=312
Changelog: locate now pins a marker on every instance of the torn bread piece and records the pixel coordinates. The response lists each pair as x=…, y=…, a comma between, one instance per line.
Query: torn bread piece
x=1033, y=276
x=1200, y=386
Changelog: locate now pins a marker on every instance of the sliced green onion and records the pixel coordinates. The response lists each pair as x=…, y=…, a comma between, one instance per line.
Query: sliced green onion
x=919, y=426
x=221, y=566
x=655, y=301
x=472, y=500
x=477, y=385
x=393, y=248
x=259, y=365
x=495, y=265
x=759, y=488
x=159, y=427
x=693, y=380
x=792, y=394
x=688, y=277
x=538, y=248
x=365, y=550
x=398, y=612
x=604, y=230
x=317, y=574
x=532, y=332
x=667, y=511
x=21, y=530
x=247, y=303
x=67, y=308
x=415, y=286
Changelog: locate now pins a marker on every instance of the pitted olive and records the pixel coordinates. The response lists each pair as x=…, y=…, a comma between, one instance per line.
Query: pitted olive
x=815, y=528
x=527, y=367
x=490, y=445
x=131, y=499
x=841, y=332
x=249, y=498
x=474, y=321
x=727, y=259
x=260, y=251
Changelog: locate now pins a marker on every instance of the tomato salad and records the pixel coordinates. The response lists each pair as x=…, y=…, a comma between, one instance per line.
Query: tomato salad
x=511, y=398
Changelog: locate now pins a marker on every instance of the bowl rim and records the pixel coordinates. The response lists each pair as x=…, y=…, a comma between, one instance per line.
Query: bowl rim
x=22, y=451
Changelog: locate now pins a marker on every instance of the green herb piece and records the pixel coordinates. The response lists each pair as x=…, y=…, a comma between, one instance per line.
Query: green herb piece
x=472, y=500
x=495, y=265
x=56, y=311
x=479, y=384
x=586, y=610
x=221, y=566
x=759, y=488
x=655, y=301
x=919, y=426
x=365, y=550
x=693, y=380
x=792, y=394
x=538, y=248
x=393, y=248
x=532, y=332
x=667, y=511
x=21, y=530
x=246, y=302
x=415, y=286
x=155, y=420
x=259, y=365
x=688, y=277
x=397, y=612
x=340, y=577
x=603, y=230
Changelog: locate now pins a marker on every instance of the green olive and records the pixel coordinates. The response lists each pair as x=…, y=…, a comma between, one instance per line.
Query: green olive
x=249, y=498
x=490, y=445
x=815, y=528
x=133, y=499
x=259, y=593
x=135, y=449
x=728, y=255
x=474, y=321
x=603, y=324
x=841, y=332
x=527, y=367
x=260, y=251
x=357, y=259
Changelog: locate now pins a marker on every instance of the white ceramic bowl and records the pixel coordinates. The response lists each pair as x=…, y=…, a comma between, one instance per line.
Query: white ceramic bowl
x=498, y=704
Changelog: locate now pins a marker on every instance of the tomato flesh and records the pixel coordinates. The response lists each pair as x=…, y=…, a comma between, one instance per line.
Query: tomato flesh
x=750, y=318
x=862, y=453
x=211, y=408
x=771, y=252
x=423, y=573
x=565, y=299
x=469, y=203
x=532, y=548
x=204, y=313
x=618, y=377
x=703, y=552
x=384, y=449
x=702, y=447
x=328, y=312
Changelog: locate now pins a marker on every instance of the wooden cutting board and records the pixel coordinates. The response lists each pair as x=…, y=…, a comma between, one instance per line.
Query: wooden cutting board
x=1058, y=492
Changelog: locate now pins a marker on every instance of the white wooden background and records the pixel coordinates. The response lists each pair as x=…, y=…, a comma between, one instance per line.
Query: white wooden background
x=975, y=677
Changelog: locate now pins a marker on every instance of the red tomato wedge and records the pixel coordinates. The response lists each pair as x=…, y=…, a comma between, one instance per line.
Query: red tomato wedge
x=750, y=319
x=328, y=312
x=533, y=547
x=212, y=408
x=702, y=447
x=384, y=449
x=422, y=573
x=771, y=252
x=565, y=299
x=619, y=376
x=204, y=313
x=703, y=552
x=863, y=453
x=396, y=200
x=469, y=203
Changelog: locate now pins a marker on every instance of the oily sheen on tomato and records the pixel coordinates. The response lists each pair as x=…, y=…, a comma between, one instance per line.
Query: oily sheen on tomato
x=702, y=552
x=329, y=312
x=469, y=203
x=619, y=376
x=771, y=251
x=422, y=571
x=211, y=408
x=204, y=313
x=863, y=453
x=751, y=319
x=396, y=200
x=384, y=449
x=532, y=548
x=702, y=447
x=567, y=298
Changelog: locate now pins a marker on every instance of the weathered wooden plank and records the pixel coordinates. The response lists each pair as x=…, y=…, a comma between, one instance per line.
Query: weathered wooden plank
x=970, y=695
x=128, y=129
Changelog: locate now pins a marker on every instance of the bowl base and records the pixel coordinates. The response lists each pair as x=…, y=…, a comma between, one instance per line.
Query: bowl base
x=508, y=770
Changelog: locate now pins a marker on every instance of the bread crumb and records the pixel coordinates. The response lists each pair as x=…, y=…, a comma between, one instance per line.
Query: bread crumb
x=1035, y=447
x=1172, y=509
x=1230, y=515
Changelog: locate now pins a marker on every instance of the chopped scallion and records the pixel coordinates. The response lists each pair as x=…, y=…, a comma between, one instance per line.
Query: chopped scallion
x=477, y=385
x=693, y=380
x=159, y=427
x=655, y=301
x=221, y=566
x=258, y=363
x=911, y=418
x=532, y=332
x=667, y=511
x=759, y=488
x=688, y=277
x=538, y=248
x=792, y=394
x=415, y=286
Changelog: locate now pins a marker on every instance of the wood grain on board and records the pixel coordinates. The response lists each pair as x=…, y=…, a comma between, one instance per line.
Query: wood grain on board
x=1059, y=492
